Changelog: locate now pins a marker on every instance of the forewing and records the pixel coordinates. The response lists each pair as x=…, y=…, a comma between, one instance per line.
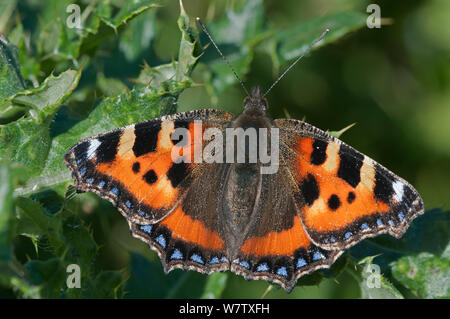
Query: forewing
x=133, y=167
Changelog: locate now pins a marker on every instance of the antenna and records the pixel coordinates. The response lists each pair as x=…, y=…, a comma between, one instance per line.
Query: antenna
x=221, y=54
x=298, y=59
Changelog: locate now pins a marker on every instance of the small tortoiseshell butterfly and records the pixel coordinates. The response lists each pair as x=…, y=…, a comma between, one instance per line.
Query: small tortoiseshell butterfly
x=209, y=216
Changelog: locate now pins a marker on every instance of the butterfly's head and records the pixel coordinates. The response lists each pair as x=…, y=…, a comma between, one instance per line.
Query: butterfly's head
x=256, y=101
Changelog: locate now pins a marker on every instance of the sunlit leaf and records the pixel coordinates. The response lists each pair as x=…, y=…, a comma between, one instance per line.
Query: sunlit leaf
x=373, y=284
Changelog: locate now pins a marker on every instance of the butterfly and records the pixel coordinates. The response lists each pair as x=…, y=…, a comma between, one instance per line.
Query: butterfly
x=208, y=216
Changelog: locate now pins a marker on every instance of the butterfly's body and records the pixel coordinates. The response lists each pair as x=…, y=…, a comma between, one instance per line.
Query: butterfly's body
x=243, y=181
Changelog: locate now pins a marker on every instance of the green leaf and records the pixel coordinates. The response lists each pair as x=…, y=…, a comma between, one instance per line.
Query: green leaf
x=426, y=275
x=292, y=41
x=29, y=64
x=27, y=141
x=188, y=45
x=188, y=55
x=104, y=24
x=215, y=285
x=6, y=10
x=107, y=284
x=236, y=35
x=80, y=245
x=138, y=37
x=312, y=279
x=11, y=80
x=60, y=42
x=373, y=284
x=70, y=242
x=157, y=75
x=35, y=223
x=49, y=276
x=24, y=289
x=148, y=280
x=110, y=86
x=6, y=212
x=45, y=100
x=337, y=268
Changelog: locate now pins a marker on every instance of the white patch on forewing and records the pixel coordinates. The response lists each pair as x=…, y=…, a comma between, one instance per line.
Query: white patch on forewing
x=398, y=189
x=93, y=145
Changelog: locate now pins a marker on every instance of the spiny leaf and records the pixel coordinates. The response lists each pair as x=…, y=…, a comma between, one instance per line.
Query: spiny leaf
x=45, y=100
x=27, y=140
x=35, y=223
x=11, y=80
x=339, y=133
x=188, y=45
x=48, y=275
x=373, y=284
x=188, y=55
x=427, y=275
x=60, y=42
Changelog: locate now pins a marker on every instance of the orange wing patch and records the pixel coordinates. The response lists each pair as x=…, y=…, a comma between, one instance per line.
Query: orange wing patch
x=185, y=228
x=153, y=189
x=278, y=243
x=331, y=202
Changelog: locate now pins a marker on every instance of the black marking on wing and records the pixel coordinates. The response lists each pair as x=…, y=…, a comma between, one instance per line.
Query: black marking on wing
x=179, y=139
x=177, y=172
x=319, y=155
x=81, y=149
x=351, y=197
x=150, y=177
x=107, y=150
x=383, y=186
x=350, y=165
x=136, y=167
x=146, y=137
x=334, y=202
x=309, y=189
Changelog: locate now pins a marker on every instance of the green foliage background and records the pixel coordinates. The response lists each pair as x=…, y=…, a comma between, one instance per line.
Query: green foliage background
x=132, y=61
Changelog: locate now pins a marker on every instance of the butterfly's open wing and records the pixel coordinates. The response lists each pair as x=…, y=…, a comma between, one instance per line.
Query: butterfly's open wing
x=343, y=195
x=133, y=168
x=190, y=237
x=276, y=247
